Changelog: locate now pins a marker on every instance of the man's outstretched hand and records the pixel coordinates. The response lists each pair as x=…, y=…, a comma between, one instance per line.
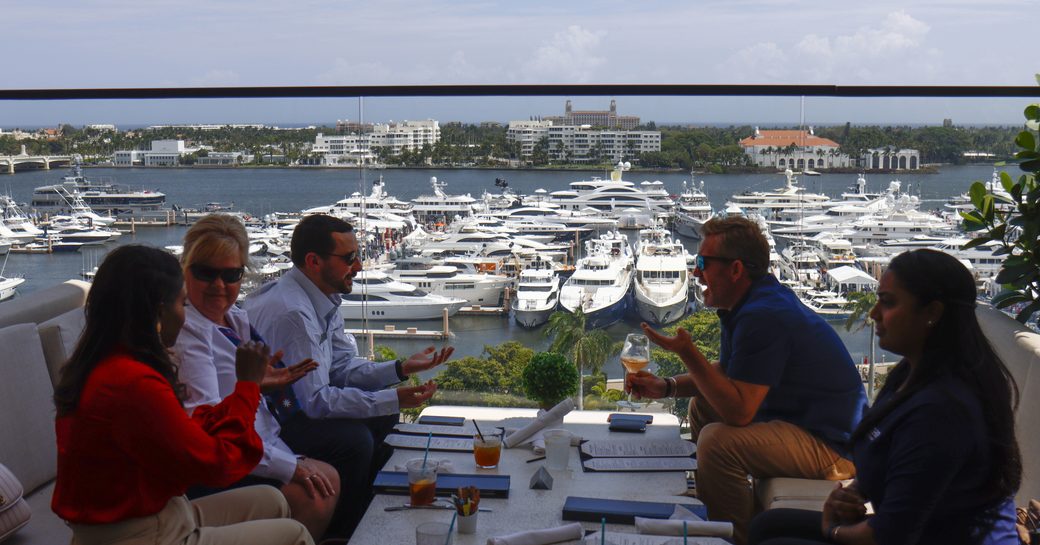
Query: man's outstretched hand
x=410, y=397
x=427, y=359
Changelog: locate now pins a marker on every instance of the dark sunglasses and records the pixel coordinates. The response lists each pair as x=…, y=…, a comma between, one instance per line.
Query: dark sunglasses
x=349, y=258
x=205, y=273
x=702, y=260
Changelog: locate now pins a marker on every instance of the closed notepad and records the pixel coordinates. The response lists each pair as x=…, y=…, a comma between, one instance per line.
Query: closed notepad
x=621, y=511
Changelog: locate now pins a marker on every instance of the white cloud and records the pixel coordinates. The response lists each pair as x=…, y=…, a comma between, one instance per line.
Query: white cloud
x=895, y=50
x=759, y=63
x=570, y=57
x=216, y=78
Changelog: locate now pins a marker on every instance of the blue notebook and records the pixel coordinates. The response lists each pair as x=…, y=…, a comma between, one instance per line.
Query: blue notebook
x=622, y=511
x=490, y=486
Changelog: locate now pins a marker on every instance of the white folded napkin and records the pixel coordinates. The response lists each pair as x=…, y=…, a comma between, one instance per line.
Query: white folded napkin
x=540, y=422
x=540, y=537
x=674, y=527
x=442, y=465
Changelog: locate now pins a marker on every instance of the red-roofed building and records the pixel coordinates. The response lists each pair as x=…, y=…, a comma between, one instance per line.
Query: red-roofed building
x=794, y=149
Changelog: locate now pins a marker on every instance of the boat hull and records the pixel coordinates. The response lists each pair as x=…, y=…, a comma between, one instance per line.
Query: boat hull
x=532, y=318
x=350, y=310
x=661, y=313
x=610, y=314
x=687, y=226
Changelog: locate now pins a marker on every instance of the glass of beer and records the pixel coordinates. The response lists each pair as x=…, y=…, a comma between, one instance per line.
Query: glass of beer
x=487, y=449
x=422, y=481
x=635, y=356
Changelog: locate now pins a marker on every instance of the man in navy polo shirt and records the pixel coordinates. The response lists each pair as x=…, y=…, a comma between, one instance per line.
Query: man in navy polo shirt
x=785, y=394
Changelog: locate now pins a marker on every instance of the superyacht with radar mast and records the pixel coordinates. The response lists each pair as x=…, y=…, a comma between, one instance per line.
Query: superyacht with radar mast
x=537, y=294
x=662, y=281
x=601, y=285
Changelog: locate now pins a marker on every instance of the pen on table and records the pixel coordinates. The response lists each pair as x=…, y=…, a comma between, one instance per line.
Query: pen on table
x=536, y=459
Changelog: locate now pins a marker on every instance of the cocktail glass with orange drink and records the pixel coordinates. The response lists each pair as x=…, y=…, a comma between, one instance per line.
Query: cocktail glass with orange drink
x=422, y=481
x=487, y=449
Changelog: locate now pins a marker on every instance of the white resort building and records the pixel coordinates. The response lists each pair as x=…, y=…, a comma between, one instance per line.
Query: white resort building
x=581, y=143
x=891, y=159
x=360, y=148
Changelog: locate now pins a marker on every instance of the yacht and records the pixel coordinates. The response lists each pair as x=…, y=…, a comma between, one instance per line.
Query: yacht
x=100, y=195
x=376, y=296
x=614, y=196
x=358, y=204
x=803, y=263
x=15, y=225
x=828, y=304
x=537, y=295
x=8, y=286
x=477, y=289
x=692, y=209
x=441, y=207
x=662, y=282
x=771, y=204
x=602, y=281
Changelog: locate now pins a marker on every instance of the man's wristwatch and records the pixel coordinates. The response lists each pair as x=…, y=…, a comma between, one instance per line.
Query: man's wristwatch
x=399, y=367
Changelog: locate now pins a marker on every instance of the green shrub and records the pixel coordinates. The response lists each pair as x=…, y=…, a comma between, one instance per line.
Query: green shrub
x=549, y=378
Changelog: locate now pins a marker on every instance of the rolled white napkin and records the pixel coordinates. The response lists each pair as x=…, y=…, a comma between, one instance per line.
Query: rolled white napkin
x=540, y=422
x=442, y=465
x=540, y=537
x=674, y=527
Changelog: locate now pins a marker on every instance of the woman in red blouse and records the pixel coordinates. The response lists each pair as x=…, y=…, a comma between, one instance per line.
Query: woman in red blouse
x=127, y=451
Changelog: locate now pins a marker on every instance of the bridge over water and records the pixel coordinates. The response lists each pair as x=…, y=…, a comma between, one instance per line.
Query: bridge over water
x=9, y=162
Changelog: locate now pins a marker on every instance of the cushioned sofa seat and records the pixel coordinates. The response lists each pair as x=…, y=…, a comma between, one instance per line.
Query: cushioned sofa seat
x=27, y=441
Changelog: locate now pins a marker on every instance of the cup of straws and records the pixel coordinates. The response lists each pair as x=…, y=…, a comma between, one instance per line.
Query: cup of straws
x=466, y=502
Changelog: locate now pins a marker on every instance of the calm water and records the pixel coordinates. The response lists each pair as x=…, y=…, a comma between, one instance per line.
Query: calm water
x=262, y=191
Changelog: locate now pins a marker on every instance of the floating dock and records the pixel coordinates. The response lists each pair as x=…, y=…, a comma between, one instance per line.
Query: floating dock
x=407, y=333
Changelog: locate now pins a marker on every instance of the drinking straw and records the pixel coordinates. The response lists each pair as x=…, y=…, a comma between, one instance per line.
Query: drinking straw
x=603, y=531
x=451, y=527
x=427, y=453
x=684, y=532
x=478, y=430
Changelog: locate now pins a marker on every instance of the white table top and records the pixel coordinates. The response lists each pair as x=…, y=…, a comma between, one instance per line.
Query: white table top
x=525, y=508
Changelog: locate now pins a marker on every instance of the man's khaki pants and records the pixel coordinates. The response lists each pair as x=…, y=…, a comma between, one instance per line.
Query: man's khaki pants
x=726, y=455
x=253, y=515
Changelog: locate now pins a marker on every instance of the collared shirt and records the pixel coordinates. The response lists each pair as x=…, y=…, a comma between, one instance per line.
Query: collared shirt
x=770, y=338
x=294, y=316
x=206, y=358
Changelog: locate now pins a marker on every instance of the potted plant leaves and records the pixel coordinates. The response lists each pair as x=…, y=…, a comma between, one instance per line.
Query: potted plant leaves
x=549, y=379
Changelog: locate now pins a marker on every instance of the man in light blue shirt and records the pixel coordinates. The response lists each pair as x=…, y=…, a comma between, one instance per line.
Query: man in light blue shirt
x=347, y=397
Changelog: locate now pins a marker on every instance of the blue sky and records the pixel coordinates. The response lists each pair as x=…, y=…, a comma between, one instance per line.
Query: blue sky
x=188, y=43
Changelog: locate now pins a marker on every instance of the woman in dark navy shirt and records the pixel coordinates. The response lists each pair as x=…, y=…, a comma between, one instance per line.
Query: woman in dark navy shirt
x=936, y=455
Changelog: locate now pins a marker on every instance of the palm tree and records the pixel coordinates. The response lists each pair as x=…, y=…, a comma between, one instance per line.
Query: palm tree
x=859, y=306
x=585, y=349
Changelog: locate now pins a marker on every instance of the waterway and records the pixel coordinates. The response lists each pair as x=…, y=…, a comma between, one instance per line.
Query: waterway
x=262, y=191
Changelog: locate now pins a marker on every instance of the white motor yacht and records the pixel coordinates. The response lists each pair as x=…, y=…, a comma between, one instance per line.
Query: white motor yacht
x=442, y=207
x=8, y=285
x=771, y=203
x=692, y=209
x=99, y=195
x=602, y=281
x=537, y=295
x=376, y=296
x=662, y=282
x=486, y=290
x=613, y=196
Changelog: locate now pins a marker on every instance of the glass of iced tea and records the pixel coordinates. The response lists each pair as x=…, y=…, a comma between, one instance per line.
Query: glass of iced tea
x=487, y=449
x=422, y=482
x=635, y=356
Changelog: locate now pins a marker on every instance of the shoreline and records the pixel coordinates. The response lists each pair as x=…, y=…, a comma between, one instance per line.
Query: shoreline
x=928, y=169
